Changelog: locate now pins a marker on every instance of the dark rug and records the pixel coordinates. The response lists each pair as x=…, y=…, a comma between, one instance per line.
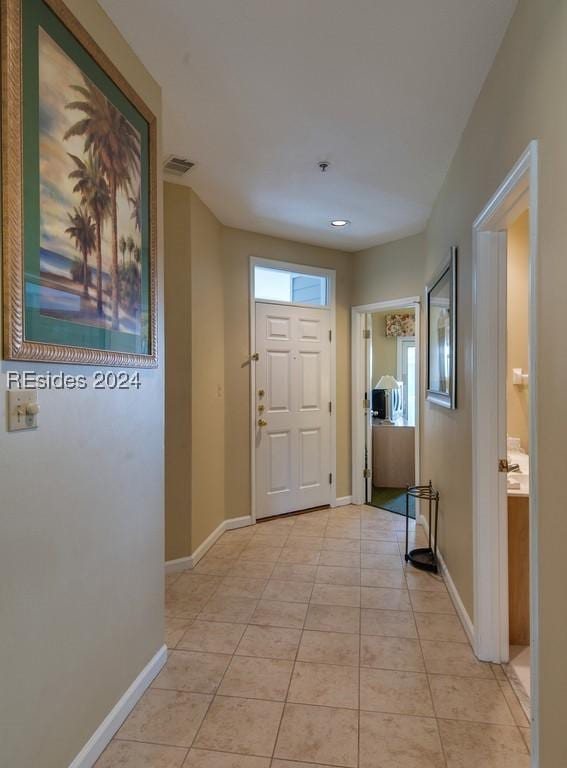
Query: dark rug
x=393, y=500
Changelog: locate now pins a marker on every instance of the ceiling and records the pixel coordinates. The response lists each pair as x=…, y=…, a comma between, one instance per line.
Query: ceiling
x=257, y=92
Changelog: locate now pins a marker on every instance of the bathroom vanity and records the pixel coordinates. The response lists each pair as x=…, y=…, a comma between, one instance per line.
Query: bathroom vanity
x=393, y=453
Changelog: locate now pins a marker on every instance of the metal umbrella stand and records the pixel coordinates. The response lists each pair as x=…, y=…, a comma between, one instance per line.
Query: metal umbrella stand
x=424, y=558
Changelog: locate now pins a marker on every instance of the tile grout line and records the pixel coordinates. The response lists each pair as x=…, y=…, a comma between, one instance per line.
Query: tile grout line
x=216, y=694
x=285, y=701
x=213, y=697
x=433, y=707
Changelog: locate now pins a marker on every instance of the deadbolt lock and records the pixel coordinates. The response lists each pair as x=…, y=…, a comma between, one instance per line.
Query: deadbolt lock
x=261, y=393
x=262, y=423
x=261, y=407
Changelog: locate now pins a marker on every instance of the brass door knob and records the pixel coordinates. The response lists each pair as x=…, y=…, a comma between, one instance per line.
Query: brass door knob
x=262, y=423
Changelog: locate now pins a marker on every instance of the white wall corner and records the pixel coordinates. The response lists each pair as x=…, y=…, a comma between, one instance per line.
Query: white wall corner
x=453, y=592
x=342, y=501
x=100, y=739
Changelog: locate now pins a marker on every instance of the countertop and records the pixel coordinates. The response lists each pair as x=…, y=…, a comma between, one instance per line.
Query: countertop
x=399, y=422
x=522, y=477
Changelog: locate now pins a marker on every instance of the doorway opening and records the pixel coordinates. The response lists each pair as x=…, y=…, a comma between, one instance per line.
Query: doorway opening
x=385, y=421
x=293, y=375
x=518, y=451
x=505, y=432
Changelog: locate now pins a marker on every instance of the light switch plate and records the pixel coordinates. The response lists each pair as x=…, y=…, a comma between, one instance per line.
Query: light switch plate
x=18, y=399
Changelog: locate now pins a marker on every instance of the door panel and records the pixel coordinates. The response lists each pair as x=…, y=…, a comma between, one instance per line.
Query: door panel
x=309, y=458
x=278, y=328
x=309, y=381
x=279, y=462
x=309, y=330
x=293, y=369
x=278, y=384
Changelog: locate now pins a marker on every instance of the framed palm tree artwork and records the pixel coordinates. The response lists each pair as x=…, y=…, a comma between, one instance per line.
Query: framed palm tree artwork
x=79, y=197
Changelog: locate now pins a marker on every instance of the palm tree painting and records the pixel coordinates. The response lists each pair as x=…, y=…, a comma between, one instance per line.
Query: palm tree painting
x=80, y=149
x=136, y=203
x=82, y=231
x=130, y=246
x=91, y=184
x=111, y=136
x=91, y=199
x=122, y=247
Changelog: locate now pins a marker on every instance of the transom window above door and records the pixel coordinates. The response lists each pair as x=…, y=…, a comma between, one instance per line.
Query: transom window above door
x=290, y=287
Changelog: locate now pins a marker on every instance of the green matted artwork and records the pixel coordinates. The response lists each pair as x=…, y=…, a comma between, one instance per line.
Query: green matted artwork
x=79, y=197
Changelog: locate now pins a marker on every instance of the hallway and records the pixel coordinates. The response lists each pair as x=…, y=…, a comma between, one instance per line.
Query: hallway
x=305, y=640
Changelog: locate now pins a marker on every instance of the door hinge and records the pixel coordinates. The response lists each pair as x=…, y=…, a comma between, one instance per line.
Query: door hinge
x=366, y=333
x=366, y=404
x=330, y=407
x=503, y=465
x=330, y=478
x=366, y=473
x=330, y=335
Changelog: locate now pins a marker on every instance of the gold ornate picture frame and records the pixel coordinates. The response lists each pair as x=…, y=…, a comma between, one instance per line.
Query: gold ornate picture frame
x=79, y=197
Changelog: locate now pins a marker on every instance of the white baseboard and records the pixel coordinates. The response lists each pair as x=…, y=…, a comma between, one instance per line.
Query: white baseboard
x=453, y=592
x=342, y=501
x=238, y=522
x=186, y=563
x=203, y=548
x=181, y=564
x=100, y=739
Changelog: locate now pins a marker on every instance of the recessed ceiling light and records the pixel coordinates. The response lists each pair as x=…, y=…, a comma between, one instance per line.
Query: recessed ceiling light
x=340, y=223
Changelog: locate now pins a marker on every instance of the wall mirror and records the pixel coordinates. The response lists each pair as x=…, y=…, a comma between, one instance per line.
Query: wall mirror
x=441, y=302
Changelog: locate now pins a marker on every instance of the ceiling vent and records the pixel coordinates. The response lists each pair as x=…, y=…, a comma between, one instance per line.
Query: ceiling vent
x=177, y=165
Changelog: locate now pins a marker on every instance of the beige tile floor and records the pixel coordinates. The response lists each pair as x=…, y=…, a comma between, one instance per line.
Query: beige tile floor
x=306, y=640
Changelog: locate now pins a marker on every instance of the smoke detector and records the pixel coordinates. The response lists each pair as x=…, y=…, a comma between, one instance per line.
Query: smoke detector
x=176, y=165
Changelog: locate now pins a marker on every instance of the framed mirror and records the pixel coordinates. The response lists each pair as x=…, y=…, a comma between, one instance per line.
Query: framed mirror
x=441, y=303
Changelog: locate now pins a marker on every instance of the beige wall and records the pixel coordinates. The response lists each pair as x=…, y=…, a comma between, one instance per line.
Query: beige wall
x=208, y=419
x=178, y=444
x=384, y=349
x=518, y=327
x=194, y=444
x=81, y=548
x=524, y=97
x=237, y=247
x=390, y=271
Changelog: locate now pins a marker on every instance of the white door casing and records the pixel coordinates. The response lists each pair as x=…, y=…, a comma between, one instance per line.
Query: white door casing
x=404, y=344
x=517, y=192
x=361, y=433
x=293, y=457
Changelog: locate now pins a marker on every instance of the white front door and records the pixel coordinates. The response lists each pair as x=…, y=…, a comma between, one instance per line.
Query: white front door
x=293, y=457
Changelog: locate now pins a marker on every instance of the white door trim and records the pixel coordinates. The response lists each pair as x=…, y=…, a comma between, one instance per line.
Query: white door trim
x=400, y=360
x=330, y=274
x=399, y=342
x=490, y=515
x=359, y=387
